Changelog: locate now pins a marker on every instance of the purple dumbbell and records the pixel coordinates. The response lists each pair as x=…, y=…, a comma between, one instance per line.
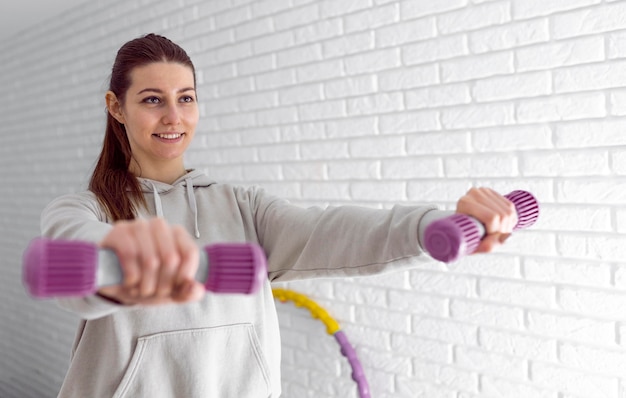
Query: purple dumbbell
x=57, y=268
x=455, y=235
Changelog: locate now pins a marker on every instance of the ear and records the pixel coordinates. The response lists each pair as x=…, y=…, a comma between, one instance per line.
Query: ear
x=114, y=106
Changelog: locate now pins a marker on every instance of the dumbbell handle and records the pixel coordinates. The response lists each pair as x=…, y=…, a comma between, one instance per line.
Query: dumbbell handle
x=447, y=236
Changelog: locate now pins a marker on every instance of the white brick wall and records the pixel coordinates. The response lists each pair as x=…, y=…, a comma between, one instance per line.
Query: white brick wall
x=373, y=102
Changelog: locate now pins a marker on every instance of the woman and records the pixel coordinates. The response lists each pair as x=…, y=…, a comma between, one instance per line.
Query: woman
x=154, y=214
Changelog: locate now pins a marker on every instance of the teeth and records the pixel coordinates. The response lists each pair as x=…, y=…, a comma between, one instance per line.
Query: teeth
x=169, y=136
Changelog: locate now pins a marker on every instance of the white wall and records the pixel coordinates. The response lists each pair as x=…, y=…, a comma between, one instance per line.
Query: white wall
x=371, y=102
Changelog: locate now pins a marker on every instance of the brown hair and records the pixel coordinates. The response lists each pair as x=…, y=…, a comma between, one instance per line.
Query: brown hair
x=116, y=188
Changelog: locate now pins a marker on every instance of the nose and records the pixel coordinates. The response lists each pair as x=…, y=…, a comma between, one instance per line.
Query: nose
x=171, y=116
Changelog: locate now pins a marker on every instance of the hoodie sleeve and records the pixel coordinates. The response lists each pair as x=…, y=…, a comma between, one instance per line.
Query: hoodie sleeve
x=335, y=241
x=78, y=216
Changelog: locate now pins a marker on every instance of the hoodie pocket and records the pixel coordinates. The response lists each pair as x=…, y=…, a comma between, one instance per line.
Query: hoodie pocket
x=222, y=362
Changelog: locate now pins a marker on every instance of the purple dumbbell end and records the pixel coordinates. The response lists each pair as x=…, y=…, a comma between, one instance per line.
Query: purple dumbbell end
x=526, y=206
x=54, y=268
x=235, y=267
x=452, y=237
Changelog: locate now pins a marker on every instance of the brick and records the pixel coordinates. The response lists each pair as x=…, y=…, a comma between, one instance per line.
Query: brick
x=415, y=302
x=406, y=32
x=498, y=387
x=378, y=191
x=603, y=248
x=607, y=132
x=448, y=376
x=350, y=87
x=491, y=363
x=438, y=143
x=583, y=50
x=348, y=44
x=444, y=330
x=300, y=55
x=520, y=345
x=588, y=21
x=407, y=78
x=481, y=166
x=255, y=28
x=413, y=9
x=441, y=48
x=320, y=71
x=377, y=147
x=566, y=164
x=303, y=93
x=520, y=293
x=616, y=43
x=324, y=29
x=377, y=103
x=354, y=170
x=508, y=36
x=513, y=138
x=592, y=302
x=322, y=110
x=407, y=168
x=487, y=314
x=510, y=87
x=567, y=272
x=374, y=61
x=473, y=116
x=437, y=96
x=602, y=190
x=426, y=349
x=570, y=328
x=333, y=8
x=571, y=381
x=476, y=17
x=590, y=77
x=372, y=18
x=567, y=107
x=480, y=66
x=535, y=8
x=351, y=127
x=290, y=19
x=273, y=42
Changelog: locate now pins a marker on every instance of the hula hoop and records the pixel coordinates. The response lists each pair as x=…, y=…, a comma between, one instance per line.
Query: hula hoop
x=332, y=328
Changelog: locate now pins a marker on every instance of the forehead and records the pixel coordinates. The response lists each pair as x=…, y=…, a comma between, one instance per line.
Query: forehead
x=162, y=75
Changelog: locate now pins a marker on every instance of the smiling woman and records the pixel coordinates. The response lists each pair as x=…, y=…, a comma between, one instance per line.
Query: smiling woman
x=144, y=205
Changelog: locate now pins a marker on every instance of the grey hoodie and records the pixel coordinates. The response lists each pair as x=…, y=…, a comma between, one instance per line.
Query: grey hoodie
x=225, y=345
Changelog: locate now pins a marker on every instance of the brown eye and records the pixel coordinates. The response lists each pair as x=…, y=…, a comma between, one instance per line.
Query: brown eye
x=152, y=100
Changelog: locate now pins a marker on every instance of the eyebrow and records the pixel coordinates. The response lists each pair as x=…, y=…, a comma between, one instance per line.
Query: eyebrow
x=159, y=91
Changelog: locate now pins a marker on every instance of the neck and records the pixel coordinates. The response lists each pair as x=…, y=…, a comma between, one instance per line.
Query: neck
x=167, y=173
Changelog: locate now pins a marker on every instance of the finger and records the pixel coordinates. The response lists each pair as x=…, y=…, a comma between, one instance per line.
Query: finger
x=189, y=255
x=168, y=255
x=188, y=291
x=490, y=208
x=488, y=244
x=148, y=258
x=504, y=208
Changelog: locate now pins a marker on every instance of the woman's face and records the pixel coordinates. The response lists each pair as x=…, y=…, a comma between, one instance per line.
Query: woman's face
x=160, y=114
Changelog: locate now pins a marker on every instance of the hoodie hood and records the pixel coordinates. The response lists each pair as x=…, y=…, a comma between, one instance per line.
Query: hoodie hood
x=193, y=178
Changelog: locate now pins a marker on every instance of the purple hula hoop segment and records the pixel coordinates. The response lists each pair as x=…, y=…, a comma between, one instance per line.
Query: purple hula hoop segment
x=358, y=375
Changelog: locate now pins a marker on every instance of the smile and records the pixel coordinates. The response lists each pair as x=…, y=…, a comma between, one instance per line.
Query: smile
x=169, y=136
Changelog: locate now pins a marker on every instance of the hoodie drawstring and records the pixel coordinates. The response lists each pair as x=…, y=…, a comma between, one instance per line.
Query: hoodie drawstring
x=157, y=201
x=192, y=203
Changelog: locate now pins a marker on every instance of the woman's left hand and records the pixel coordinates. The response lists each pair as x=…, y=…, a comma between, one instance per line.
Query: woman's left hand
x=497, y=214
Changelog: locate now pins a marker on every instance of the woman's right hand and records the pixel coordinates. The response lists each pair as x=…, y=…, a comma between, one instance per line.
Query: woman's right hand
x=159, y=263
